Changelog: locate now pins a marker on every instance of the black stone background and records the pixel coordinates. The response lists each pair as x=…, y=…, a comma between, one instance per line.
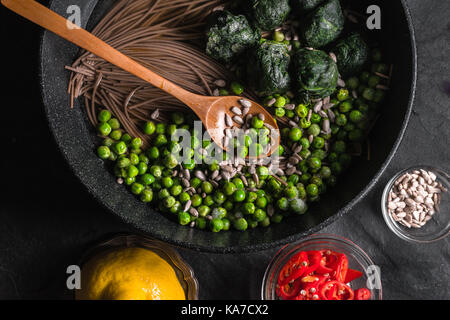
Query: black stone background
x=47, y=218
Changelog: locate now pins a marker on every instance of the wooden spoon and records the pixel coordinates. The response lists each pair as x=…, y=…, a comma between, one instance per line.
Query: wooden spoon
x=210, y=110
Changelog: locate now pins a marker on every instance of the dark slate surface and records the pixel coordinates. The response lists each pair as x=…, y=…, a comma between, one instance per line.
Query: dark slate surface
x=47, y=219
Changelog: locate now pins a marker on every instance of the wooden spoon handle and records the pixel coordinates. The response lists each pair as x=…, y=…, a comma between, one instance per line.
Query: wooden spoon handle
x=50, y=20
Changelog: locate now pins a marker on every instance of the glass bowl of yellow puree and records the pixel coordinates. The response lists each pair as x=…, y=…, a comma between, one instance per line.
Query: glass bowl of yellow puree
x=133, y=267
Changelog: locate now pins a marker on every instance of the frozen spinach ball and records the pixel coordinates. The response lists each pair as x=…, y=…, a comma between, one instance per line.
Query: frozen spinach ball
x=268, y=68
x=268, y=14
x=228, y=36
x=315, y=73
x=323, y=25
x=352, y=53
x=306, y=5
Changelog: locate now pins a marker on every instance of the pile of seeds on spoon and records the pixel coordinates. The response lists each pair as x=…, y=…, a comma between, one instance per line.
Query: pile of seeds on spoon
x=415, y=198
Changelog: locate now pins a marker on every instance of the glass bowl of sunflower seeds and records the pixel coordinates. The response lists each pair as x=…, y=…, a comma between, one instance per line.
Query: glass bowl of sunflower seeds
x=416, y=204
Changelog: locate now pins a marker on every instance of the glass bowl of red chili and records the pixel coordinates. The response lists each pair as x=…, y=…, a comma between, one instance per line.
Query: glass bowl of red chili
x=322, y=267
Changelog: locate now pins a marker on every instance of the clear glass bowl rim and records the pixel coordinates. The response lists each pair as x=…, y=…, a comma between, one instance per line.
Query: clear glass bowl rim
x=136, y=240
x=314, y=237
x=392, y=224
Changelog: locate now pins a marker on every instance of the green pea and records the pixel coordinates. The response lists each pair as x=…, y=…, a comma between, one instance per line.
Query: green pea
x=142, y=167
x=344, y=159
x=216, y=225
x=156, y=171
x=219, y=197
x=276, y=218
x=196, y=200
x=318, y=142
x=316, y=118
x=189, y=164
x=342, y=94
x=239, y=195
x=374, y=81
x=261, y=202
x=298, y=206
x=170, y=161
x=104, y=129
x=229, y=188
x=228, y=205
x=116, y=134
x=302, y=110
x=248, y=208
x=257, y=123
x=160, y=140
x=195, y=182
x=295, y=134
x=132, y=171
x=147, y=179
x=336, y=168
x=207, y=187
x=304, y=142
x=325, y=172
x=240, y=224
x=280, y=102
x=184, y=197
x=149, y=128
x=278, y=36
x=290, y=114
x=280, y=112
x=184, y=218
x=345, y=106
x=171, y=129
x=114, y=123
x=147, y=195
x=203, y=211
x=252, y=196
x=136, y=143
x=169, y=202
x=208, y=201
x=356, y=116
x=341, y=120
x=104, y=116
x=160, y=128
x=305, y=123
x=263, y=172
x=291, y=192
x=256, y=149
x=226, y=224
x=314, y=130
x=134, y=159
x=104, y=152
x=259, y=215
x=153, y=153
x=178, y=118
x=200, y=223
x=167, y=182
x=223, y=92
x=369, y=94
x=312, y=190
x=353, y=83
x=137, y=188
x=237, y=88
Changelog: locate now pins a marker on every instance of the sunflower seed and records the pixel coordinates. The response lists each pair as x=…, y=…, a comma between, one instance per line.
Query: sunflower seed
x=220, y=83
x=187, y=206
x=271, y=102
x=193, y=212
x=245, y=103
x=261, y=116
x=155, y=115
x=333, y=56
x=216, y=92
x=290, y=106
x=199, y=174
x=318, y=106
x=236, y=111
x=228, y=120
x=341, y=83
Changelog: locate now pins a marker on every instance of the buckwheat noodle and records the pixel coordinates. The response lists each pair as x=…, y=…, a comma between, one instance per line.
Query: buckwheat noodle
x=163, y=35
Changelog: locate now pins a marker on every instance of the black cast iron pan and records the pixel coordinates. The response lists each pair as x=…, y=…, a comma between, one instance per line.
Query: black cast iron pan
x=77, y=141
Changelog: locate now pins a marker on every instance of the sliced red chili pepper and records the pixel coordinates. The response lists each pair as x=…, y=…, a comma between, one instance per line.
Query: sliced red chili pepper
x=328, y=262
x=341, y=268
x=362, y=294
x=301, y=266
x=290, y=291
x=295, y=263
x=335, y=290
x=352, y=275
